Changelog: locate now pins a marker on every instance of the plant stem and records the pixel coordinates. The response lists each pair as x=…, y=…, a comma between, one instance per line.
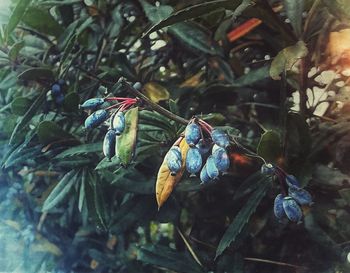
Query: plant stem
x=153, y=105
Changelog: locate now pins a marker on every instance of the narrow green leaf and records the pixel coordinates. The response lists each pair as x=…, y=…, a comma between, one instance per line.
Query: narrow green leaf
x=105, y=163
x=49, y=131
x=61, y=190
x=127, y=141
x=171, y=259
x=82, y=191
x=81, y=150
x=194, y=36
x=243, y=216
x=27, y=118
x=192, y=12
x=20, y=105
x=37, y=73
x=42, y=21
x=269, y=146
x=294, y=10
x=15, y=49
x=17, y=15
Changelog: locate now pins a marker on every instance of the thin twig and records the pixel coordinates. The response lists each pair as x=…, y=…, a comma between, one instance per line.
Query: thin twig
x=153, y=105
x=190, y=249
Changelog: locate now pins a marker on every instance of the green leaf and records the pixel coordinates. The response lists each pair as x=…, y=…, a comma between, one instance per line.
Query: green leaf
x=71, y=102
x=294, y=10
x=20, y=105
x=17, y=15
x=61, y=190
x=252, y=77
x=192, y=12
x=127, y=141
x=155, y=119
x=194, y=36
x=243, y=216
x=82, y=197
x=156, y=14
x=42, y=21
x=15, y=49
x=171, y=259
x=49, y=131
x=340, y=9
x=135, y=210
x=269, y=146
x=36, y=74
x=81, y=150
x=26, y=118
x=287, y=59
x=105, y=163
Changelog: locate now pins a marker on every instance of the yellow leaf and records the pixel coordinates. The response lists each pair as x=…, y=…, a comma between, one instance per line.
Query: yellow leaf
x=165, y=181
x=156, y=92
x=44, y=245
x=193, y=81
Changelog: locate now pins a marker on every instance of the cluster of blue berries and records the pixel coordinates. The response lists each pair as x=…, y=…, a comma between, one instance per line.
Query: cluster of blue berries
x=205, y=145
x=57, y=92
x=116, y=122
x=287, y=205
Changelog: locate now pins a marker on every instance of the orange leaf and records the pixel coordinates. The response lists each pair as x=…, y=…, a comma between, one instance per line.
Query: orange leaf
x=243, y=29
x=165, y=181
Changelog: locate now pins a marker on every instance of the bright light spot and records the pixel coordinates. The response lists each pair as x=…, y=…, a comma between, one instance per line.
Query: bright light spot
x=162, y=69
x=158, y=44
x=137, y=44
x=153, y=35
x=348, y=257
x=131, y=19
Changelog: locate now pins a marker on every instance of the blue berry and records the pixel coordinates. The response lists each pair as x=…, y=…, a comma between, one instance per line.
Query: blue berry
x=59, y=99
x=292, y=209
x=56, y=89
x=204, y=146
x=278, y=207
x=302, y=196
x=292, y=181
x=192, y=134
x=174, y=160
x=118, y=122
x=92, y=104
x=61, y=82
x=212, y=170
x=204, y=177
x=220, y=138
x=96, y=118
x=221, y=159
x=193, y=160
x=267, y=169
x=109, y=144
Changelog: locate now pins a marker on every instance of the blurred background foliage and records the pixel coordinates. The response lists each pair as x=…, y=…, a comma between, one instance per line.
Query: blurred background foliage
x=275, y=73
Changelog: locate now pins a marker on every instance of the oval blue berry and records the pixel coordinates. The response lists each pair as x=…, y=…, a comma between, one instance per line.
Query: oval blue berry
x=59, y=99
x=204, y=177
x=292, y=209
x=192, y=134
x=137, y=86
x=212, y=170
x=118, y=122
x=92, y=104
x=221, y=159
x=220, y=138
x=174, y=160
x=56, y=89
x=61, y=82
x=204, y=146
x=302, y=196
x=267, y=169
x=292, y=181
x=278, y=207
x=193, y=160
x=96, y=118
x=109, y=144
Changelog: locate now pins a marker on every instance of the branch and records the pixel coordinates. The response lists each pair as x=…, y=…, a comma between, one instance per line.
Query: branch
x=153, y=105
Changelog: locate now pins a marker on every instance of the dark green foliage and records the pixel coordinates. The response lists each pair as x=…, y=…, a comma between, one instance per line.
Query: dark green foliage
x=65, y=207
